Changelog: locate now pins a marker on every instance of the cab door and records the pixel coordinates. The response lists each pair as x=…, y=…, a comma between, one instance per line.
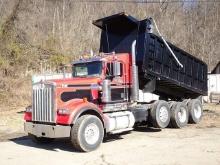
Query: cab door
x=114, y=72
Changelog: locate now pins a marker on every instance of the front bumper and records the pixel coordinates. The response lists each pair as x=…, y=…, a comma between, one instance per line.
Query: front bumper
x=49, y=131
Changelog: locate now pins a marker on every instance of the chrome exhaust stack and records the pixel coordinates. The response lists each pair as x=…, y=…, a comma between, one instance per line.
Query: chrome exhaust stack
x=135, y=83
x=106, y=91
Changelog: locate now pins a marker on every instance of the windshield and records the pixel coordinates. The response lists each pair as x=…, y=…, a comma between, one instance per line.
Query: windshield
x=87, y=69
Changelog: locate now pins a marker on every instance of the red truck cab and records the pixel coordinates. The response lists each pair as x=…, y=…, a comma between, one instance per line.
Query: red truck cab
x=59, y=104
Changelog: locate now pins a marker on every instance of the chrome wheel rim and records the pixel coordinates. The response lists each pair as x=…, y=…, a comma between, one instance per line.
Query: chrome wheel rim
x=163, y=114
x=91, y=133
x=182, y=115
x=198, y=111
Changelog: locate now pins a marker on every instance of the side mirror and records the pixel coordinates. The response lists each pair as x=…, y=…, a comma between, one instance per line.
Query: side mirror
x=117, y=69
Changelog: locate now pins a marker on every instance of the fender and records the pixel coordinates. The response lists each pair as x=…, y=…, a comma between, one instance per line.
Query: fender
x=87, y=110
x=78, y=107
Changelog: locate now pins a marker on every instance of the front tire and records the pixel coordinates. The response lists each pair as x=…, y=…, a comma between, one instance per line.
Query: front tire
x=87, y=133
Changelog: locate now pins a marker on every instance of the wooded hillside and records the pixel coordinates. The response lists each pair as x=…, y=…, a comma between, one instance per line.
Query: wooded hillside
x=58, y=31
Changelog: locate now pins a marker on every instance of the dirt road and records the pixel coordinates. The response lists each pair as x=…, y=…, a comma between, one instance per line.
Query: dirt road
x=195, y=144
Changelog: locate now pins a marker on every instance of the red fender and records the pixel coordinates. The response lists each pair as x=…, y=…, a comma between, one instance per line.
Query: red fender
x=77, y=107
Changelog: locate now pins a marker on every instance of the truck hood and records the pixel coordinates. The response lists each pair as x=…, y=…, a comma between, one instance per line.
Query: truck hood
x=77, y=81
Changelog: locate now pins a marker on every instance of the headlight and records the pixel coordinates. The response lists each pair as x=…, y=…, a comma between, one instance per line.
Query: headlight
x=63, y=111
x=29, y=109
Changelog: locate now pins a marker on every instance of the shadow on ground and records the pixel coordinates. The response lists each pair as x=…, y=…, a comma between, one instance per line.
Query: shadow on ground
x=146, y=129
x=65, y=143
x=58, y=144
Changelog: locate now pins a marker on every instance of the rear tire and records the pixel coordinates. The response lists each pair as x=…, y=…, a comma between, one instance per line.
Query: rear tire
x=40, y=140
x=179, y=115
x=87, y=133
x=195, y=111
x=160, y=114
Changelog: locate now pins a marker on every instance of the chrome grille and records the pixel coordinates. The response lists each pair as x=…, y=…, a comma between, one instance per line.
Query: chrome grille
x=43, y=103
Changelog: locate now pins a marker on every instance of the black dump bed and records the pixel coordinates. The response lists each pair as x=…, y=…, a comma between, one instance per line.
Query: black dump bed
x=159, y=73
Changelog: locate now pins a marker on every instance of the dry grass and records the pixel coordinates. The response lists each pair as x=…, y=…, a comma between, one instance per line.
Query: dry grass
x=211, y=116
x=15, y=93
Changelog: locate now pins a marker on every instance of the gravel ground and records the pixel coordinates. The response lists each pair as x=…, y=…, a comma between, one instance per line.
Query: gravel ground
x=194, y=144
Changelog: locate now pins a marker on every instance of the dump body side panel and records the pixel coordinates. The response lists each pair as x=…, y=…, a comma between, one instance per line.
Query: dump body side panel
x=158, y=70
x=171, y=80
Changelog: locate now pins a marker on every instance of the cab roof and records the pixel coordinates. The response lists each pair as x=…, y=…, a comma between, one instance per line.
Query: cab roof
x=86, y=60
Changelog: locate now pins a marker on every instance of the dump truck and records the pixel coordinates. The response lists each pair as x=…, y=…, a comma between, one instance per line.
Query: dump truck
x=102, y=96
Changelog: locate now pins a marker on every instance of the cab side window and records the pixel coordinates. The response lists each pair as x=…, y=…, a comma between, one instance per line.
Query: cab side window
x=114, y=69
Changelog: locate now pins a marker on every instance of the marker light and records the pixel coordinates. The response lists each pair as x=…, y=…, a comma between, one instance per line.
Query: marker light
x=63, y=111
x=85, y=99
